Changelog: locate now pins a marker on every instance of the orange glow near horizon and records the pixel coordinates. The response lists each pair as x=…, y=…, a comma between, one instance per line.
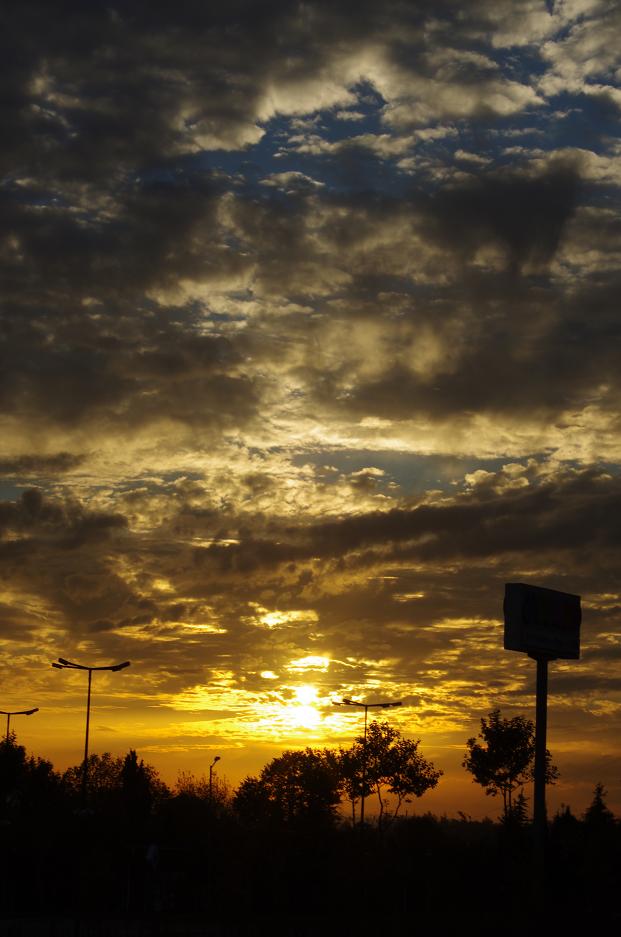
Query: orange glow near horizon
x=248, y=727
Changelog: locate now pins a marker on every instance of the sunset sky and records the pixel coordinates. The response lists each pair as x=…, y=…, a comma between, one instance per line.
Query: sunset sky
x=310, y=342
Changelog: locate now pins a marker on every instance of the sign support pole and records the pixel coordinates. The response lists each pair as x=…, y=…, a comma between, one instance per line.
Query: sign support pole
x=540, y=818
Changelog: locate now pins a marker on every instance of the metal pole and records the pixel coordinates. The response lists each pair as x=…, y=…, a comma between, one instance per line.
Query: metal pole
x=8, y=723
x=364, y=767
x=210, y=780
x=540, y=819
x=88, y=718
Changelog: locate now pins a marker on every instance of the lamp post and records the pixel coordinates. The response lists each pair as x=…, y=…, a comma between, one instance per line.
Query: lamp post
x=71, y=665
x=19, y=712
x=366, y=706
x=217, y=758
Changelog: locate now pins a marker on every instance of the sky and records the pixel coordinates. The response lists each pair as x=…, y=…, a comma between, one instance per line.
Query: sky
x=310, y=342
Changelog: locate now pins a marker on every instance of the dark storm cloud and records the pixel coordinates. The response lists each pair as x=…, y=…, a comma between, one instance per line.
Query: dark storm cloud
x=527, y=351
x=154, y=233
x=108, y=215
x=571, y=512
x=525, y=215
x=57, y=551
x=61, y=554
x=113, y=358
x=66, y=523
x=29, y=465
x=569, y=684
x=514, y=342
x=108, y=103
x=18, y=624
x=512, y=333
x=607, y=653
x=82, y=340
x=561, y=514
x=101, y=89
x=121, y=367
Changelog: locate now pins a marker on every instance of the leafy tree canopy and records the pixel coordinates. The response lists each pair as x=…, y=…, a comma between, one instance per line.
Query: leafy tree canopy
x=123, y=780
x=391, y=762
x=502, y=757
x=28, y=784
x=294, y=788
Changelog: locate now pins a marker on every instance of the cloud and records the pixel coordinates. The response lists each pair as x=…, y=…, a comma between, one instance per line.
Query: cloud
x=586, y=52
x=290, y=182
x=33, y=514
x=33, y=465
x=210, y=80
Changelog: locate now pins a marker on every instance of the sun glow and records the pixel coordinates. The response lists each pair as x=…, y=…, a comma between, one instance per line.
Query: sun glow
x=302, y=712
x=280, y=619
x=312, y=662
x=306, y=695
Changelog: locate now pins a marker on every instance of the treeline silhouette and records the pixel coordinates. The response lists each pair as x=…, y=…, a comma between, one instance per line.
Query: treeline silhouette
x=281, y=847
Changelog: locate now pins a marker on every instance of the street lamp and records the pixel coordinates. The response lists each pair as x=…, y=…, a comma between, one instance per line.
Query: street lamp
x=217, y=758
x=366, y=706
x=19, y=712
x=70, y=665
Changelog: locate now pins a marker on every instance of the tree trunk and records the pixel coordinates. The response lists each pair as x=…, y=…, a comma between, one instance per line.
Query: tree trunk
x=381, y=806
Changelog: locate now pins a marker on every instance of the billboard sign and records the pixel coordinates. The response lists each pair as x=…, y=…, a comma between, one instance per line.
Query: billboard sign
x=542, y=622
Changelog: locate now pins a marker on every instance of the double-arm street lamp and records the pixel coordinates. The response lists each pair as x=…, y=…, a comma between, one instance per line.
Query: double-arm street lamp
x=71, y=665
x=19, y=712
x=366, y=706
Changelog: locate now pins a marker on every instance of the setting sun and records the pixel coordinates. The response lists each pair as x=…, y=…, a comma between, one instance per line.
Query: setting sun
x=302, y=712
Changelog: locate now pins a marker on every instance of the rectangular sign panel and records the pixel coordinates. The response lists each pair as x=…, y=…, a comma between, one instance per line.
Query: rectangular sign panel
x=542, y=621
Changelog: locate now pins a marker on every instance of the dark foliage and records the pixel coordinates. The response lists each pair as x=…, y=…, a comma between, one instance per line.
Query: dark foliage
x=504, y=760
x=277, y=852
x=393, y=765
x=298, y=788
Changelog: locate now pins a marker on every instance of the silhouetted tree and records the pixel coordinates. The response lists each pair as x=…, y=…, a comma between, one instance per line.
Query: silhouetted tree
x=12, y=772
x=197, y=786
x=504, y=760
x=297, y=787
x=410, y=775
x=600, y=853
x=564, y=815
x=597, y=815
x=103, y=778
x=379, y=763
x=136, y=792
x=28, y=785
x=117, y=783
x=189, y=785
x=254, y=804
x=518, y=811
x=567, y=844
x=392, y=763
